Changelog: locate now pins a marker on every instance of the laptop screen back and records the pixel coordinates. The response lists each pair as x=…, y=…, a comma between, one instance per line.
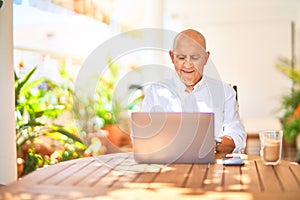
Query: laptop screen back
x=170, y=137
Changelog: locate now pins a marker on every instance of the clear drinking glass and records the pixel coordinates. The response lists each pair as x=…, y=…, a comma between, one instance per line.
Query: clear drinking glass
x=271, y=146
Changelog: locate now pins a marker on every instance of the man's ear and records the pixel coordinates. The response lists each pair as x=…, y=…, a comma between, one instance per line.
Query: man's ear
x=171, y=53
x=206, y=57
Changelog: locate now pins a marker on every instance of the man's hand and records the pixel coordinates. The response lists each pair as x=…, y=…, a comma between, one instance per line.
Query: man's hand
x=226, y=146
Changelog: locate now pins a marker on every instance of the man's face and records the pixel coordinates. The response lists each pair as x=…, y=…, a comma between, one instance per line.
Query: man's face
x=189, y=58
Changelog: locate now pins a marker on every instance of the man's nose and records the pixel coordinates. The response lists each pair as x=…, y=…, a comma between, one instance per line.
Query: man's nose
x=188, y=62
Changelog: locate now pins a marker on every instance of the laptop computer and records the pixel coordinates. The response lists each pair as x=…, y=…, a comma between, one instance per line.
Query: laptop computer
x=171, y=137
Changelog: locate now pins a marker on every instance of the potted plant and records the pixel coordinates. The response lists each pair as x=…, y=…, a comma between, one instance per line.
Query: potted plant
x=290, y=108
x=105, y=110
x=37, y=103
x=113, y=109
x=109, y=108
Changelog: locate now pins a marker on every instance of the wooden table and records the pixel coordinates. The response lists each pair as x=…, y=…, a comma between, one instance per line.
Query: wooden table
x=117, y=176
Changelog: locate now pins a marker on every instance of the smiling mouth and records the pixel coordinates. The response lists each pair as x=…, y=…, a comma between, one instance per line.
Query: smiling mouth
x=187, y=71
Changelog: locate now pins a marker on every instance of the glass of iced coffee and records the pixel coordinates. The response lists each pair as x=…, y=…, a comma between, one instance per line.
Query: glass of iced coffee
x=271, y=145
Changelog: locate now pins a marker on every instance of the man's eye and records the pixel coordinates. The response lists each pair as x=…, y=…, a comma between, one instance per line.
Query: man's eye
x=181, y=57
x=195, y=57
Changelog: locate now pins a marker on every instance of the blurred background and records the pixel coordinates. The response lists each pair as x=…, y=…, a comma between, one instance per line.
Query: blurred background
x=245, y=38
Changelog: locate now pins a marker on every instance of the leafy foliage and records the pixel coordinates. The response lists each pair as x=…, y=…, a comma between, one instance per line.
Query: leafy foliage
x=32, y=162
x=105, y=106
x=284, y=65
x=290, y=102
x=37, y=104
x=291, y=129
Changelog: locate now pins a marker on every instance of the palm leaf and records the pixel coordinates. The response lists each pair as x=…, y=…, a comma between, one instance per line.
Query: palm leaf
x=60, y=129
x=50, y=112
x=20, y=83
x=22, y=86
x=28, y=86
x=284, y=66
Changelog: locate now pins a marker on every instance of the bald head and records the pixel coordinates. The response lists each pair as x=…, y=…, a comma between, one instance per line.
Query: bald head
x=192, y=34
x=189, y=57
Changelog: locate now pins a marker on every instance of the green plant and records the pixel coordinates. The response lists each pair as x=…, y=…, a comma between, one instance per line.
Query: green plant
x=94, y=112
x=32, y=162
x=290, y=117
x=37, y=104
x=105, y=106
x=106, y=109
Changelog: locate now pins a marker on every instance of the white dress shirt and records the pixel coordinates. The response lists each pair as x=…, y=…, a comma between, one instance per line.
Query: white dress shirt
x=209, y=95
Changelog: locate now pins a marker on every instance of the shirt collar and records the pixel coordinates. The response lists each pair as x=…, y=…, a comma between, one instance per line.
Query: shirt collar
x=181, y=87
x=200, y=84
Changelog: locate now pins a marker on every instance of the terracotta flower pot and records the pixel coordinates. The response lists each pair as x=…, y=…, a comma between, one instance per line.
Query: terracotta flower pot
x=117, y=136
x=20, y=166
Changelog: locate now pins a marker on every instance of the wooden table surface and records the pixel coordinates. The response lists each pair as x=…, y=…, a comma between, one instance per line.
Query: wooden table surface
x=118, y=176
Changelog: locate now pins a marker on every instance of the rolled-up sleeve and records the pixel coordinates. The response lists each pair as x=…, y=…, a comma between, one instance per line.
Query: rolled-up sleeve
x=232, y=125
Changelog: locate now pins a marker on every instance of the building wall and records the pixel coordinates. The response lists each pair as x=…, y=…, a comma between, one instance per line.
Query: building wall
x=245, y=39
